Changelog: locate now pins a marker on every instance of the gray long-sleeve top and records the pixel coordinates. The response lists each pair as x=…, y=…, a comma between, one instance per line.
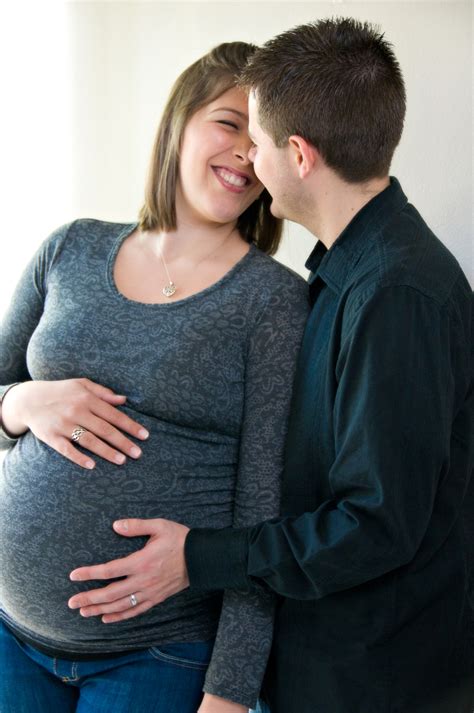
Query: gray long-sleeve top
x=210, y=377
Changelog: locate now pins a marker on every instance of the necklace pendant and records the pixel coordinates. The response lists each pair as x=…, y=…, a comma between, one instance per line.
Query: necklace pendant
x=169, y=290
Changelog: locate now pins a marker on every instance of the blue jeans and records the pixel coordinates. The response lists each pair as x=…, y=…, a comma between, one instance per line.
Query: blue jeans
x=165, y=679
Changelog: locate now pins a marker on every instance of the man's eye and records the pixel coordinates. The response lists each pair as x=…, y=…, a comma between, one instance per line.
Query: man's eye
x=228, y=123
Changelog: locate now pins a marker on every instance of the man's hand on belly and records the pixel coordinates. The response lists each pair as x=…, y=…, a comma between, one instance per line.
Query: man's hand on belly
x=151, y=575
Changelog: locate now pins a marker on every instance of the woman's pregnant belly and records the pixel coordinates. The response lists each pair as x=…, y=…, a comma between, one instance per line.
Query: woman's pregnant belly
x=56, y=516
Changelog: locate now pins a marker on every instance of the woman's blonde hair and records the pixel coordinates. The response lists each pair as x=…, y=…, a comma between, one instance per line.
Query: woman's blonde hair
x=201, y=83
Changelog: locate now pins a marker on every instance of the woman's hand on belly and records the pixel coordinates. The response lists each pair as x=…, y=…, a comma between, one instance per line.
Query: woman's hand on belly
x=150, y=575
x=55, y=410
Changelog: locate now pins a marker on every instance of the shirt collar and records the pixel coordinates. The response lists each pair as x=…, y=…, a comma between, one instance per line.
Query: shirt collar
x=334, y=266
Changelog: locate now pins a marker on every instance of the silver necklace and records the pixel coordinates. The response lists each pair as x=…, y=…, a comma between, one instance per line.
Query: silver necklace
x=170, y=289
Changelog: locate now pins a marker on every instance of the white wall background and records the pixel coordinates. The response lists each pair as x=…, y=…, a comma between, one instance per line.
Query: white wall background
x=83, y=85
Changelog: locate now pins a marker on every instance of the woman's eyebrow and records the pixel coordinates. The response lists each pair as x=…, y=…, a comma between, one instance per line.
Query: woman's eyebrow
x=234, y=111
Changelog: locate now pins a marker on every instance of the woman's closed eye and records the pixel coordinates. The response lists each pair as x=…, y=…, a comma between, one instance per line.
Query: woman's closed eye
x=227, y=123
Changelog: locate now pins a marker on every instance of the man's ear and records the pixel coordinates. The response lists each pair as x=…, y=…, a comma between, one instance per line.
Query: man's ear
x=305, y=155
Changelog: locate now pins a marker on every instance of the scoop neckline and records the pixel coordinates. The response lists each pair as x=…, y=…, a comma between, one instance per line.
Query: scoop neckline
x=125, y=233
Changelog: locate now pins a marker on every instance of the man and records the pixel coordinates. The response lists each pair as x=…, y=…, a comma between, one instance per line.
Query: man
x=370, y=553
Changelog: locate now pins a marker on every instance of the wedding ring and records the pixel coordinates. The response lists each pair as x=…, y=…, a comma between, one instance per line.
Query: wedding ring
x=77, y=433
x=133, y=600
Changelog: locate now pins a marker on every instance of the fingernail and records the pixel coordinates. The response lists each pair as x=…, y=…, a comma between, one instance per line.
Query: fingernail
x=119, y=458
x=84, y=612
x=121, y=525
x=143, y=433
x=90, y=464
x=74, y=577
x=135, y=452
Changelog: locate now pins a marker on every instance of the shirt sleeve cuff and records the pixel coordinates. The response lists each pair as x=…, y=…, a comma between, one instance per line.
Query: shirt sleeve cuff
x=217, y=559
x=241, y=699
x=6, y=438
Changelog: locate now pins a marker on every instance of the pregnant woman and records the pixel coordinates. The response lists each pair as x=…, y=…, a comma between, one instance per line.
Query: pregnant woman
x=147, y=372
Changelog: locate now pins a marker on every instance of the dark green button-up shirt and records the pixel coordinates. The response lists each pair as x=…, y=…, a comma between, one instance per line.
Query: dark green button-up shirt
x=371, y=553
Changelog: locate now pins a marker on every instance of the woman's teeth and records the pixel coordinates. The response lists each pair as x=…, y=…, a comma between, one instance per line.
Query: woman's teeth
x=231, y=178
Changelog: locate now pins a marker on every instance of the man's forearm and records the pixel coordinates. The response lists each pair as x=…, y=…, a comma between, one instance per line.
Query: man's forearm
x=217, y=559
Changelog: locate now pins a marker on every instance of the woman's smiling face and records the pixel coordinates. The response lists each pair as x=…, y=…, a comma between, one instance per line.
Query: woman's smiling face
x=217, y=182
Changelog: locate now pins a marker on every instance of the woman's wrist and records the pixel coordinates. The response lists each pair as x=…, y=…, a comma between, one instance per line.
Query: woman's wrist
x=10, y=415
x=211, y=703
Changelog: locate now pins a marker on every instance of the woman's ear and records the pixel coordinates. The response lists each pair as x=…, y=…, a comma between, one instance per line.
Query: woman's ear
x=305, y=155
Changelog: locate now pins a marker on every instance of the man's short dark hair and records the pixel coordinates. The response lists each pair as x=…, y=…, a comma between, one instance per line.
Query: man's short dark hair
x=337, y=84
